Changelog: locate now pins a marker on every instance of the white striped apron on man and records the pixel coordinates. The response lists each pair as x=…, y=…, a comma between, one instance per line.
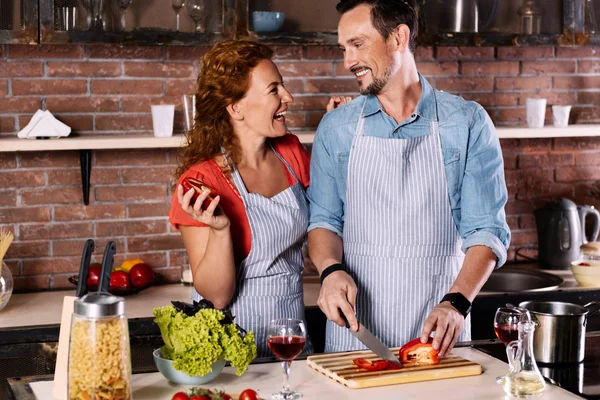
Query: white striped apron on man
x=401, y=245
x=269, y=280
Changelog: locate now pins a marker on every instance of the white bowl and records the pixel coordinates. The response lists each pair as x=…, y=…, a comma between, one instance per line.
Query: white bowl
x=586, y=275
x=165, y=367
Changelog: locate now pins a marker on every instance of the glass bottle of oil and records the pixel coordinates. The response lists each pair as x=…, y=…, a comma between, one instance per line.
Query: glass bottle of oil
x=524, y=379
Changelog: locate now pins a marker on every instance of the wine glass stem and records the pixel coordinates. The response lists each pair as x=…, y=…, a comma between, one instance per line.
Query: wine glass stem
x=177, y=23
x=286, y=375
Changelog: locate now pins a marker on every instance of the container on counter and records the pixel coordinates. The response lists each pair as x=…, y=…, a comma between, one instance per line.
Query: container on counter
x=99, y=353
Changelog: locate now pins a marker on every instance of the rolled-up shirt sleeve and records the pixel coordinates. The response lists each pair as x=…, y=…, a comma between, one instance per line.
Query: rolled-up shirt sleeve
x=326, y=207
x=483, y=192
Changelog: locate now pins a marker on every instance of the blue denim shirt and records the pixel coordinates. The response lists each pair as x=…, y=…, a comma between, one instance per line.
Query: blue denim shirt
x=472, y=160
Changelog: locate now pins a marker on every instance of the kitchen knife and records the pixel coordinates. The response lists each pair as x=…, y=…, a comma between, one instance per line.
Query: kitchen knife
x=374, y=344
x=107, y=264
x=84, y=268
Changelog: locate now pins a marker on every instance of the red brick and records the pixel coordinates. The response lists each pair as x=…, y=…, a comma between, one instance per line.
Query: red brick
x=577, y=143
x=123, y=158
x=520, y=53
x=588, y=98
x=13, y=267
x=511, y=115
x=145, y=210
x=25, y=214
x=31, y=283
x=552, y=98
x=82, y=104
x=20, y=249
x=153, y=259
x=310, y=69
x=7, y=124
x=588, y=66
x=45, y=159
x=287, y=52
x=527, y=222
x=51, y=196
x=61, y=281
x=21, y=69
x=178, y=257
x=523, y=83
x=526, y=253
x=159, y=70
x=295, y=120
x=460, y=84
x=84, y=69
x=46, y=51
x=123, y=86
x=519, y=207
x=490, y=68
x=314, y=118
x=8, y=198
x=148, y=174
x=123, y=122
x=525, y=145
x=577, y=174
x=492, y=99
x=163, y=242
x=464, y=53
x=437, y=68
x=309, y=103
x=8, y=160
x=584, y=114
x=125, y=52
x=20, y=104
x=77, y=122
x=510, y=161
x=547, y=190
x=48, y=87
x=323, y=53
x=50, y=265
x=3, y=87
x=424, y=53
x=131, y=193
x=340, y=70
x=181, y=87
x=332, y=86
x=131, y=228
x=523, y=237
x=546, y=160
x=295, y=85
x=65, y=177
x=588, y=158
x=22, y=178
x=55, y=231
x=513, y=222
x=587, y=193
x=577, y=52
x=90, y=212
x=548, y=67
x=186, y=53
x=137, y=104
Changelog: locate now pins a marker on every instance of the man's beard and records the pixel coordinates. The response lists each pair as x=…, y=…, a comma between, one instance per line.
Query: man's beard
x=375, y=87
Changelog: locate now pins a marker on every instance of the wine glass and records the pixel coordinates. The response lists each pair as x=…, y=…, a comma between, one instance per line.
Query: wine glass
x=505, y=324
x=123, y=4
x=286, y=339
x=177, y=6
x=195, y=10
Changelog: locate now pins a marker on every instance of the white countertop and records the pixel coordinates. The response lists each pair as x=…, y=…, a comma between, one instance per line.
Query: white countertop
x=267, y=378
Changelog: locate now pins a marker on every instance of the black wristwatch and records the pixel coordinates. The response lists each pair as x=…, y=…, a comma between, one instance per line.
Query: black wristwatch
x=458, y=301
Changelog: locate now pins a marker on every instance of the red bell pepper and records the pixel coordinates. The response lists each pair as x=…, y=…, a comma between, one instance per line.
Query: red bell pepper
x=363, y=363
x=419, y=353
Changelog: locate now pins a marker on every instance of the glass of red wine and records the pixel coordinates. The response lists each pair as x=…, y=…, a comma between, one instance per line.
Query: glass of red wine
x=286, y=339
x=505, y=324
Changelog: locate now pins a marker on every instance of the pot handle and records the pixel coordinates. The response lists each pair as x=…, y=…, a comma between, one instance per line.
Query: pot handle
x=593, y=307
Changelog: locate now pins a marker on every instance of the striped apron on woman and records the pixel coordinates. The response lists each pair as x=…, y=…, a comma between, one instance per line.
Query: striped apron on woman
x=401, y=245
x=269, y=281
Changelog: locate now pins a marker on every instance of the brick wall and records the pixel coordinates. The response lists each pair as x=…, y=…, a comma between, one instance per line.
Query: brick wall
x=109, y=89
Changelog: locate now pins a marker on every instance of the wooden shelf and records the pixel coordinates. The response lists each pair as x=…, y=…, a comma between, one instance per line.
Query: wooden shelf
x=548, y=132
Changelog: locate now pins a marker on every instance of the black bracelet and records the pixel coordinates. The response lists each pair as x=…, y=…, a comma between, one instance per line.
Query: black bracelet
x=331, y=269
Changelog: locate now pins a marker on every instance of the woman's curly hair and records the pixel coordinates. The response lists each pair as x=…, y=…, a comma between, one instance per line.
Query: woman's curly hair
x=223, y=80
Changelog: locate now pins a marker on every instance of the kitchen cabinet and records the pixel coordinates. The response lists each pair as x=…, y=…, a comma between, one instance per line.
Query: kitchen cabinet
x=18, y=21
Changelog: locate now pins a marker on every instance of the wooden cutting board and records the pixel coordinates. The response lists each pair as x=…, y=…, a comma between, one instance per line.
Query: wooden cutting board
x=339, y=367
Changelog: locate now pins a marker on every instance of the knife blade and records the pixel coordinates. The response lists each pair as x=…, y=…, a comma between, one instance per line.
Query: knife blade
x=373, y=343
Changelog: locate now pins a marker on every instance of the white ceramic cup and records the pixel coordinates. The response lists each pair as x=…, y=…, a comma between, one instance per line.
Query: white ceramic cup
x=536, y=112
x=162, y=120
x=560, y=115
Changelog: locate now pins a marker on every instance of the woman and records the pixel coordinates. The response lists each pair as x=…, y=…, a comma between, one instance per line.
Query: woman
x=245, y=248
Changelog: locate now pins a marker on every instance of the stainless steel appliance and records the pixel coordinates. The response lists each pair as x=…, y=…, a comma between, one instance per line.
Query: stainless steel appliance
x=452, y=15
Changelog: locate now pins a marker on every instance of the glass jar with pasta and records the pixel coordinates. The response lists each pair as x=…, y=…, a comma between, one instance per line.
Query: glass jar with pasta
x=99, y=353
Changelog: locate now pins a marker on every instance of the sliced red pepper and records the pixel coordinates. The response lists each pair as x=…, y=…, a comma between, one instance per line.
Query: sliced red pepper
x=419, y=353
x=392, y=367
x=370, y=366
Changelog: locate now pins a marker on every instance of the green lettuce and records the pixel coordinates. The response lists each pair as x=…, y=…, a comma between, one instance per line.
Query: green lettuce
x=195, y=342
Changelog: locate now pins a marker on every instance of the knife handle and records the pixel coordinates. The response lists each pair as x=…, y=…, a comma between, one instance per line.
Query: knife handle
x=344, y=318
x=107, y=264
x=84, y=267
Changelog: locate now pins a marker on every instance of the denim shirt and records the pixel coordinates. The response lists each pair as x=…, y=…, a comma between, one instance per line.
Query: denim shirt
x=472, y=160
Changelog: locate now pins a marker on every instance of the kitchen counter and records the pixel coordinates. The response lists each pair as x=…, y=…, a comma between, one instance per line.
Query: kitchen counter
x=266, y=378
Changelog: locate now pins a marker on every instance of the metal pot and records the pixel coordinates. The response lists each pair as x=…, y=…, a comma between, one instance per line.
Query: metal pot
x=560, y=336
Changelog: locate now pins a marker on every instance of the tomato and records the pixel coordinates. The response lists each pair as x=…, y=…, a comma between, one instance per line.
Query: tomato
x=225, y=396
x=370, y=366
x=180, y=396
x=248, y=394
x=419, y=353
x=584, y=264
x=198, y=398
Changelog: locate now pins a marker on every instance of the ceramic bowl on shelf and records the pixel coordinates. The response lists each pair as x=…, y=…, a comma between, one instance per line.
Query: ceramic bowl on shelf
x=586, y=272
x=165, y=367
x=267, y=21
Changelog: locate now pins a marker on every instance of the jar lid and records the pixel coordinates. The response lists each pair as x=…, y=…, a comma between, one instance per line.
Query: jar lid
x=96, y=305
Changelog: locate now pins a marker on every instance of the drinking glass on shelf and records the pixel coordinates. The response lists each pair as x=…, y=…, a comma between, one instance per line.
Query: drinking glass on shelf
x=177, y=6
x=286, y=339
x=506, y=323
x=123, y=5
x=195, y=10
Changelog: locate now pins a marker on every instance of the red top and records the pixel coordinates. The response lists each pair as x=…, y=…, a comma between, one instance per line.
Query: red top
x=292, y=151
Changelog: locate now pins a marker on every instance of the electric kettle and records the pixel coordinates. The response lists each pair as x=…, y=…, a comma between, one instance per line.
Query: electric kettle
x=561, y=232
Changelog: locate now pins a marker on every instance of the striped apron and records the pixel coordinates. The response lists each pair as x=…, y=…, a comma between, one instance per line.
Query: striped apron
x=401, y=245
x=269, y=281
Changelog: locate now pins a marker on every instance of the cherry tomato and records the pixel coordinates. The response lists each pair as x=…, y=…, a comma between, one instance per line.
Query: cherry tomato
x=198, y=398
x=248, y=394
x=225, y=396
x=180, y=396
x=370, y=366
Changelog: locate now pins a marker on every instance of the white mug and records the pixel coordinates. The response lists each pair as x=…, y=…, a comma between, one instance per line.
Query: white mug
x=560, y=115
x=162, y=119
x=536, y=112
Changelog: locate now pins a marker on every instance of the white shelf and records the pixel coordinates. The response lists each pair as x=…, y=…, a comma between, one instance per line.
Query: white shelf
x=99, y=142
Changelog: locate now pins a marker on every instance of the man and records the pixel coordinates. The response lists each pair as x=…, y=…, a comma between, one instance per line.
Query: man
x=405, y=180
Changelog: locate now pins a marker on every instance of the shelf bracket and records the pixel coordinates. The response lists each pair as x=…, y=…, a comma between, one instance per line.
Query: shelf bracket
x=85, y=159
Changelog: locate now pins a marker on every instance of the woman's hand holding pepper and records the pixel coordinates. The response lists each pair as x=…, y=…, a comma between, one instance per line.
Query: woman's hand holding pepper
x=216, y=221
